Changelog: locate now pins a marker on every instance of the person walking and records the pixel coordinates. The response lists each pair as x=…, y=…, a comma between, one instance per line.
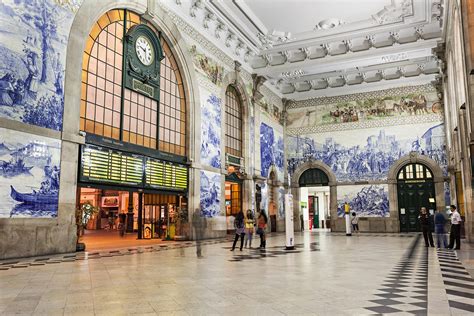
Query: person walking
x=262, y=224
x=249, y=228
x=439, y=222
x=239, y=225
x=455, y=233
x=122, y=221
x=426, y=222
x=355, y=222
x=199, y=226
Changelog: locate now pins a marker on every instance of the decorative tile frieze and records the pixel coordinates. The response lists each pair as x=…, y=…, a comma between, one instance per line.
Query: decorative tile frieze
x=394, y=120
x=361, y=96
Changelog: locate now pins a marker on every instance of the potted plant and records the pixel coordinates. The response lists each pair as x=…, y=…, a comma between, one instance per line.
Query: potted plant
x=181, y=223
x=83, y=215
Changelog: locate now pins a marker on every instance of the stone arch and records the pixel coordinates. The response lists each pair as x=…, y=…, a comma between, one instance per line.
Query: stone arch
x=414, y=157
x=295, y=191
x=234, y=79
x=88, y=14
x=312, y=165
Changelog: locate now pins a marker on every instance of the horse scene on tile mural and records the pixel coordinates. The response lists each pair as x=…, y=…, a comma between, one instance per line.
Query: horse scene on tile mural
x=29, y=175
x=368, y=154
x=211, y=132
x=210, y=194
x=364, y=200
x=271, y=150
x=33, y=42
x=365, y=110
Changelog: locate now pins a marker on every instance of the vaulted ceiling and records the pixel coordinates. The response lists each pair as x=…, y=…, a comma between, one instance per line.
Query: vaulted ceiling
x=315, y=48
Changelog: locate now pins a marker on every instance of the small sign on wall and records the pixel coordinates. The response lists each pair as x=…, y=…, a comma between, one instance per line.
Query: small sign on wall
x=402, y=211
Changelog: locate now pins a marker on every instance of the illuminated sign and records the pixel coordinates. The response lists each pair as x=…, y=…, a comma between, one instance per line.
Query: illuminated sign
x=161, y=174
x=109, y=166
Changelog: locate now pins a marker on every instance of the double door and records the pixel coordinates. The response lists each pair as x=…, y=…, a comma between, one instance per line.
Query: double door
x=412, y=196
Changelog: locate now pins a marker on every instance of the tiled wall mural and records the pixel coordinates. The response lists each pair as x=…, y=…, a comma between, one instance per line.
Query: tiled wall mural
x=29, y=175
x=271, y=150
x=365, y=110
x=210, y=193
x=33, y=42
x=207, y=66
x=368, y=154
x=211, y=131
x=365, y=200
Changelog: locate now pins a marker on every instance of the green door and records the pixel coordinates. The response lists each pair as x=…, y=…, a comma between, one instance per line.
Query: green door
x=415, y=188
x=316, y=212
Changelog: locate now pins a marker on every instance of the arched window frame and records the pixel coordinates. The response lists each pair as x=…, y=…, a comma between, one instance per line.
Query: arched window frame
x=234, y=122
x=157, y=126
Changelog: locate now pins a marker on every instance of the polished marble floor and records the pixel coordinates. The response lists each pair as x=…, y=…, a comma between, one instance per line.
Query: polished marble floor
x=327, y=274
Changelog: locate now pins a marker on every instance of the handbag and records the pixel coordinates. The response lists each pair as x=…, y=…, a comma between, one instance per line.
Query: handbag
x=260, y=231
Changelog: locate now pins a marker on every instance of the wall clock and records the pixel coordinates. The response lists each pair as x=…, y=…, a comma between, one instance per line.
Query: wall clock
x=144, y=50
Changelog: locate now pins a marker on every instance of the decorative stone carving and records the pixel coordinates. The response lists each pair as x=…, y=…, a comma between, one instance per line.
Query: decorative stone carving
x=257, y=81
x=395, y=12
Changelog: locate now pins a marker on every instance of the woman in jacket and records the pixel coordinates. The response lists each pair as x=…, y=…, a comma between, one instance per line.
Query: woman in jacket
x=239, y=225
x=249, y=228
x=262, y=224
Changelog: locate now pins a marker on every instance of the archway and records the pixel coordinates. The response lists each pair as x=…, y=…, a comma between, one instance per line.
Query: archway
x=313, y=186
x=412, y=181
x=415, y=189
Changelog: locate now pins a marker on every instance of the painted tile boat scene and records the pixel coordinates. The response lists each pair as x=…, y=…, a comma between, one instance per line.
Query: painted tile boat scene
x=29, y=175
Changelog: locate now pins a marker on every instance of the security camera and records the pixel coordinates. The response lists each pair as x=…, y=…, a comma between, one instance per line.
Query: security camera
x=82, y=133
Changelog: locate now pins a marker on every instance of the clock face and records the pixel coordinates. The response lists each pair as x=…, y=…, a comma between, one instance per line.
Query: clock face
x=144, y=50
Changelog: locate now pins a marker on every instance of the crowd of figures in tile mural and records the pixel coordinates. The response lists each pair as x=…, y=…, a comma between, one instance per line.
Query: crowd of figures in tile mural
x=211, y=131
x=365, y=200
x=29, y=175
x=210, y=193
x=33, y=42
x=366, y=110
x=368, y=154
x=271, y=151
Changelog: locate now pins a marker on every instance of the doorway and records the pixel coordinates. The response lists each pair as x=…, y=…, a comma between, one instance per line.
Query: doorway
x=233, y=202
x=314, y=199
x=415, y=187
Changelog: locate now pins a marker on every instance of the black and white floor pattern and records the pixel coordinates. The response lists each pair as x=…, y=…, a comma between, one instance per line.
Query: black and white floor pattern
x=458, y=282
x=405, y=290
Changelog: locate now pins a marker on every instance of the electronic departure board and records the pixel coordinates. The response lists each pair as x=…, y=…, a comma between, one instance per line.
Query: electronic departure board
x=109, y=166
x=166, y=175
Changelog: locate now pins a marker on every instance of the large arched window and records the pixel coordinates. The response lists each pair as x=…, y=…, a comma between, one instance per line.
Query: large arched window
x=233, y=116
x=111, y=110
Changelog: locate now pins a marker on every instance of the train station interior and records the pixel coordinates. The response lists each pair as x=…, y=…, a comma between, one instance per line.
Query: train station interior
x=230, y=157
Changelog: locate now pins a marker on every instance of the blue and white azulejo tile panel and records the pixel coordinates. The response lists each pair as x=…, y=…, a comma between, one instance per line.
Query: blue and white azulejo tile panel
x=364, y=200
x=33, y=44
x=271, y=150
x=211, y=131
x=29, y=175
x=368, y=154
x=210, y=196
